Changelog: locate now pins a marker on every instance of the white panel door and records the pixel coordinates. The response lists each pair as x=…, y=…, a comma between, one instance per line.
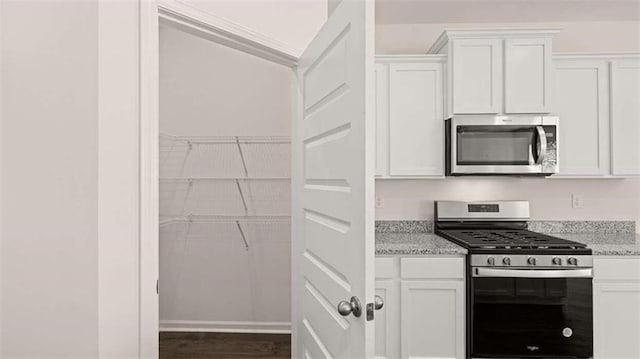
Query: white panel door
x=625, y=117
x=581, y=100
x=416, y=123
x=432, y=319
x=476, y=74
x=333, y=188
x=527, y=71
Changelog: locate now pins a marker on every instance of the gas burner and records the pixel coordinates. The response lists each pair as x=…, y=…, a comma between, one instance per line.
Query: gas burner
x=497, y=227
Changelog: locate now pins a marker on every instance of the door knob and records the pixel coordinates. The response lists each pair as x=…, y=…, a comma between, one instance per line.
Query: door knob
x=379, y=302
x=353, y=306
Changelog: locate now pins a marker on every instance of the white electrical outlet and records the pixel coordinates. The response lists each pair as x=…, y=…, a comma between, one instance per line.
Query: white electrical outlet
x=577, y=201
x=379, y=202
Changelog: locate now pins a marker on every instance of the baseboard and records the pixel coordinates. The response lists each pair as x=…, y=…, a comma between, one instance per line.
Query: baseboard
x=225, y=327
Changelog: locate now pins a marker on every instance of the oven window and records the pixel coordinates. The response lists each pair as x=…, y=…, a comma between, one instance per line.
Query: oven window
x=536, y=318
x=495, y=145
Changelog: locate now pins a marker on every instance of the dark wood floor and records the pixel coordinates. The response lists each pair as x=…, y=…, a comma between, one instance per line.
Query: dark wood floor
x=179, y=345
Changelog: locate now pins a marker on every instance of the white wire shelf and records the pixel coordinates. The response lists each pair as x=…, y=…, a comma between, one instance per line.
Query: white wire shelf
x=243, y=225
x=193, y=218
x=194, y=140
x=205, y=179
x=264, y=197
x=225, y=182
x=225, y=157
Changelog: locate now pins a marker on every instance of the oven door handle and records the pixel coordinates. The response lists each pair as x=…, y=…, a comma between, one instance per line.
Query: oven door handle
x=533, y=273
x=542, y=145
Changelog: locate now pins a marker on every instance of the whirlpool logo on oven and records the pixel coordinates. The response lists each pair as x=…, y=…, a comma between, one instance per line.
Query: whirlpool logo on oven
x=533, y=348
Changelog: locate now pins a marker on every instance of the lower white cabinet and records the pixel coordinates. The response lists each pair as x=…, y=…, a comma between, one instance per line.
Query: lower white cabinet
x=432, y=319
x=424, y=311
x=616, y=307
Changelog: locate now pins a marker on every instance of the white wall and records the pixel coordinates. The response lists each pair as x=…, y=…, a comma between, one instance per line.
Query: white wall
x=611, y=199
x=592, y=36
x=210, y=89
x=550, y=199
x=49, y=180
x=292, y=22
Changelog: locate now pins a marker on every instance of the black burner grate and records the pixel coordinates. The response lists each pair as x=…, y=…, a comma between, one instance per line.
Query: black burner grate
x=508, y=238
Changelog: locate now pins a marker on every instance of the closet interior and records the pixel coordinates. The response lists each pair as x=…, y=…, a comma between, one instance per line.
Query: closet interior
x=225, y=154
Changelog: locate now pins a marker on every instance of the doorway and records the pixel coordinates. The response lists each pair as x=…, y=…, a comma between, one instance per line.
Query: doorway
x=224, y=200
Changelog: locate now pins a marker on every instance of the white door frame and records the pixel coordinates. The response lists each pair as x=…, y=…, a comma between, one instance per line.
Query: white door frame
x=186, y=18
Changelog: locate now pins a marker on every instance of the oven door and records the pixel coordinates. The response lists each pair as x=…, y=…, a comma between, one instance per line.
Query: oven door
x=524, y=313
x=502, y=145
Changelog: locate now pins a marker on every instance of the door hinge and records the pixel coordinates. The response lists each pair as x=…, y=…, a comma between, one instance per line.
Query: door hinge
x=370, y=310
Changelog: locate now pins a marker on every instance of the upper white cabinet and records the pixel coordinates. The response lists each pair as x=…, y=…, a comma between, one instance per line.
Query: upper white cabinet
x=596, y=98
x=581, y=98
x=409, y=117
x=476, y=76
x=497, y=71
x=625, y=117
x=527, y=75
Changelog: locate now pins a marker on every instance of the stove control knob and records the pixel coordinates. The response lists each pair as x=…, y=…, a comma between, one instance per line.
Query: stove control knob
x=531, y=261
x=557, y=261
x=491, y=261
x=506, y=261
x=572, y=261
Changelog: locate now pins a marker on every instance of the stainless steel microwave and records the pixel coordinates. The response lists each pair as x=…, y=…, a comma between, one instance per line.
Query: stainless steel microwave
x=502, y=145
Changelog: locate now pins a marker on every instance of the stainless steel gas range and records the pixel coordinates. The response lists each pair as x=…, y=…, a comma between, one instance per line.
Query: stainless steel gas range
x=529, y=295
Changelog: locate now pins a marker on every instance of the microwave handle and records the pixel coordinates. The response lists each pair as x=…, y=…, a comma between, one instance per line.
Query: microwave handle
x=542, y=145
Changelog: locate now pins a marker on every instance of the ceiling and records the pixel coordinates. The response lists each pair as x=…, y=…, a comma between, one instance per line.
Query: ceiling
x=507, y=11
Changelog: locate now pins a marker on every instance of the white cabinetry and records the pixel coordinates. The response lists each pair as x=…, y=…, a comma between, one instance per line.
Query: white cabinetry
x=476, y=76
x=527, y=75
x=424, y=312
x=387, y=319
x=625, y=117
x=505, y=71
x=409, y=117
x=581, y=103
x=596, y=98
x=616, y=307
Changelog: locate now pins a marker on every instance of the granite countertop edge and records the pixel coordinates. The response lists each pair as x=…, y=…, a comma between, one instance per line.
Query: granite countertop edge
x=416, y=237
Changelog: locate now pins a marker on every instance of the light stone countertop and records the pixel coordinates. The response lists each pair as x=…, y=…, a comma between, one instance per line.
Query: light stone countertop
x=606, y=244
x=415, y=244
x=414, y=237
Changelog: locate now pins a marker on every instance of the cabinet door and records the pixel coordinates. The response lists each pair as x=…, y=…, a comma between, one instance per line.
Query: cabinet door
x=616, y=317
x=382, y=120
x=387, y=320
x=625, y=117
x=581, y=98
x=416, y=124
x=476, y=76
x=432, y=319
x=527, y=71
